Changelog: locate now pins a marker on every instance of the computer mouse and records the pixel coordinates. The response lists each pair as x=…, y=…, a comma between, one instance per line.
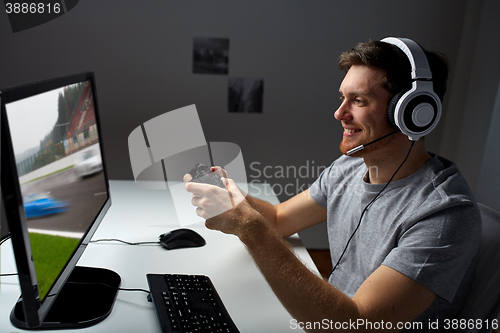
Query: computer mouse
x=181, y=238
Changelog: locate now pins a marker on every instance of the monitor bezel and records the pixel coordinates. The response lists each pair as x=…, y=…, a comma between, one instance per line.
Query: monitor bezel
x=4, y=228
x=34, y=309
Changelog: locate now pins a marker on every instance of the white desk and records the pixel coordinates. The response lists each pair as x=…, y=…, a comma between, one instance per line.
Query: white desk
x=139, y=215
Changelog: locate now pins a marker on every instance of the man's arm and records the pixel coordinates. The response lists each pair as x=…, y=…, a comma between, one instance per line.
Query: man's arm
x=296, y=214
x=387, y=296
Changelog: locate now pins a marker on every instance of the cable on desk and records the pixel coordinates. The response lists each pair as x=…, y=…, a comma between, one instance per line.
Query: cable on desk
x=7, y=274
x=106, y=285
x=122, y=241
x=3, y=240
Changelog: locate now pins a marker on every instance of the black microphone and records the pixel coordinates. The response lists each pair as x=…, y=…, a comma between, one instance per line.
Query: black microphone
x=358, y=148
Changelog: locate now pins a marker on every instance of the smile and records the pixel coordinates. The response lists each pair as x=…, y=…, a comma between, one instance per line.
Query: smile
x=351, y=131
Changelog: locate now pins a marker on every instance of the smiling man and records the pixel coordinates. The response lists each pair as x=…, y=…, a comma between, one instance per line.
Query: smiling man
x=403, y=225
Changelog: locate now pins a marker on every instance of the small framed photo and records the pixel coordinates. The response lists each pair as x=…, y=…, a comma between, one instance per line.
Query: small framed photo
x=245, y=95
x=210, y=55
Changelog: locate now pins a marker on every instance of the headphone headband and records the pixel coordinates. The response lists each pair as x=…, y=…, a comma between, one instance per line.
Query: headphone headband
x=420, y=68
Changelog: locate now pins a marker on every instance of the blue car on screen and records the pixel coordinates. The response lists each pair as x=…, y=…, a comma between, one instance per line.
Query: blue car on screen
x=41, y=204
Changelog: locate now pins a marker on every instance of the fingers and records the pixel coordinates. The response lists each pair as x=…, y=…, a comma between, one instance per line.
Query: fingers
x=196, y=201
x=226, y=182
x=234, y=192
x=210, y=200
x=198, y=191
x=187, y=177
x=219, y=171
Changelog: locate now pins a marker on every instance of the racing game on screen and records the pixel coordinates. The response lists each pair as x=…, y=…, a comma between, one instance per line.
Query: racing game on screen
x=59, y=163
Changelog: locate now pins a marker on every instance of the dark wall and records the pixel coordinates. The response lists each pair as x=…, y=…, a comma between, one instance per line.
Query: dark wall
x=141, y=53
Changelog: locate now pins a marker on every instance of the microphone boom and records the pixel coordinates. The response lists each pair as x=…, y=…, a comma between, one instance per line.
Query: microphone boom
x=358, y=148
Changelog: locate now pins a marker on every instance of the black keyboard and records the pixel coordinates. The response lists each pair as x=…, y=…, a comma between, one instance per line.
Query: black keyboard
x=188, y=303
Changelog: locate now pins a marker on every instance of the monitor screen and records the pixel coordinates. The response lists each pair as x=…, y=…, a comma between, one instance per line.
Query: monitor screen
x=52, y=149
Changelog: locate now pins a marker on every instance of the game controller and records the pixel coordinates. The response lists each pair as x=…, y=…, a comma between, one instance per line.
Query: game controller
x=202, y=174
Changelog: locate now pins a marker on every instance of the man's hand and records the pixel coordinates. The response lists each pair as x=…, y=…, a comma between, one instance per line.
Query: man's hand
x=242, y=220
x=221, y=208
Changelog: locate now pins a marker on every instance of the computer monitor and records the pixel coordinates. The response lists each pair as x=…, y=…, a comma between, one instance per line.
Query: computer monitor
x=55, y=192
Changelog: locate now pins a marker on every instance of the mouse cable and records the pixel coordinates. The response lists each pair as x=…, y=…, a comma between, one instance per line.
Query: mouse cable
x=366, y=208
x=92, y=283
x=5, y=239
x=106, y=285
x=121, y=241
x=1, y=242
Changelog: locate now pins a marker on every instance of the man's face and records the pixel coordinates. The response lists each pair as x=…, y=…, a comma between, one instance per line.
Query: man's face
x=363, y=109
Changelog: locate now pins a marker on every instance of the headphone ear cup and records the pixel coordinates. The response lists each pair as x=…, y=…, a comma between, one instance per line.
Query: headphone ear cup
x=391, y=109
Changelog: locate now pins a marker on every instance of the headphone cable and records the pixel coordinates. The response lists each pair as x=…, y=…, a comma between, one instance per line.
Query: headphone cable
x=367, y=206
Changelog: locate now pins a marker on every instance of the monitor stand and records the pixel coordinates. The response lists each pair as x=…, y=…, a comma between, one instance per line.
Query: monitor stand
x=83, y=303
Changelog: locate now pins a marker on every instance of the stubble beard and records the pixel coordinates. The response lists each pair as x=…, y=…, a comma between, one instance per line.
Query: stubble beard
x=345, y=147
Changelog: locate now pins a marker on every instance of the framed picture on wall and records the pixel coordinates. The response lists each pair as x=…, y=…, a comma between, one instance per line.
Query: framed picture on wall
x=210, y=55
x=245, y=95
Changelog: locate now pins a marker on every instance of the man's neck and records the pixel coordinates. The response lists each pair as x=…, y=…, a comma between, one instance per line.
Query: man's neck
x=383, y=164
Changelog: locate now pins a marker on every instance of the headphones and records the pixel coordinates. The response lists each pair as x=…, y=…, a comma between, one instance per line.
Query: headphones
x=417, y=111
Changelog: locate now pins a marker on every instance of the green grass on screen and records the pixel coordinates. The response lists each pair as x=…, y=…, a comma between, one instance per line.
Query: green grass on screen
x=50, y=254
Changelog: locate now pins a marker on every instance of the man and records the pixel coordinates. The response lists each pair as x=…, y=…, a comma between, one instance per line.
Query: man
x=406, y=258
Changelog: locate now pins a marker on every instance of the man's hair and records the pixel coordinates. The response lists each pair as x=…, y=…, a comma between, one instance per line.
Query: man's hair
x=392, y=59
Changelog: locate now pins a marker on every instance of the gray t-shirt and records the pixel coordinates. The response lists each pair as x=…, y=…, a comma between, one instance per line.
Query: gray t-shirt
x=426, y=226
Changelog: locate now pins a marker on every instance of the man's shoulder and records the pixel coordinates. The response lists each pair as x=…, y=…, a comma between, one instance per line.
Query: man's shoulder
x=443, y=191
x=447, y=177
